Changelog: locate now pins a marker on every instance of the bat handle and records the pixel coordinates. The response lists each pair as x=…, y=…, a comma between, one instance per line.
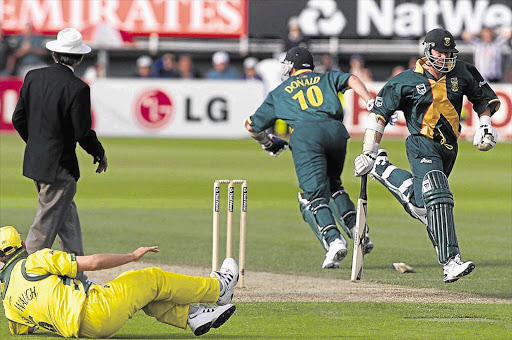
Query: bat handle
x=364, y=181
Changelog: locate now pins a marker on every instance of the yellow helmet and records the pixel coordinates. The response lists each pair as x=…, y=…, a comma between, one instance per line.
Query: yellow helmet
x=10, y=240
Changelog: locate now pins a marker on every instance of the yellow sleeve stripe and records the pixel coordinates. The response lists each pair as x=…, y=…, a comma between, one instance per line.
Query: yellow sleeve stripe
x=497, y=105
x=382, y=118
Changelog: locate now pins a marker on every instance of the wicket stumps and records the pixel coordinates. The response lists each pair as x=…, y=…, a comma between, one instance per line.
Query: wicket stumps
x=229, y=222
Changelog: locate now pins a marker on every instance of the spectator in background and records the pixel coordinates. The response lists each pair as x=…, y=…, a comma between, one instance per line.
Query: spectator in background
x=295, y=36
x=250, y=69
x=487, y=51
x=93, y=72
x=412, y=62
x=166, y=67
x=186, y=68
x=326, y=64
x=30, y=52
x=144, y=63
x=396, y=70
x=6, y=57
x=221, y=68
x=357, y=68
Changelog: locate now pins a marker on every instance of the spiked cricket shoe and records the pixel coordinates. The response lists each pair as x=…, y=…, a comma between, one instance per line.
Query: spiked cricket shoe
x=456, y=268
x=337, y=252
x=368, y=245
x=228, y=277
x=206, y=318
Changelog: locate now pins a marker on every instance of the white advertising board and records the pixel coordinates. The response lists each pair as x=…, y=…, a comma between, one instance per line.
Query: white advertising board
x=174, y=108
x=132, y=107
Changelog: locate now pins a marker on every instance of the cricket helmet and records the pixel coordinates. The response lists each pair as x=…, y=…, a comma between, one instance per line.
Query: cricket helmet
x=298, y=58
x=10, y=240
x=442, y=41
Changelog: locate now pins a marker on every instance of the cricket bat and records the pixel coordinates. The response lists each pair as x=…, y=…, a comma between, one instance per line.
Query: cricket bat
x=360, y=231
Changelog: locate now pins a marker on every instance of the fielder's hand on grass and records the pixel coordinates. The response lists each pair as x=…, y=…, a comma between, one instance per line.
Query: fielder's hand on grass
x=363, y=164
x=486, y=136
x=275, y=146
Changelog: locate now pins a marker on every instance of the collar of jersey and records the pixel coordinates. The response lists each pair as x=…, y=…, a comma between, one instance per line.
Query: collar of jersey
x=419, y=69
x=21, y=255
x=302, y=72
x=419, y=65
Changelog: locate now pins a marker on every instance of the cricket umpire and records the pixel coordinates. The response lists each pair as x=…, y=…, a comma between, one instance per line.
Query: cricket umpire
x=53, y=113
x=430, y=95
x=309, y=102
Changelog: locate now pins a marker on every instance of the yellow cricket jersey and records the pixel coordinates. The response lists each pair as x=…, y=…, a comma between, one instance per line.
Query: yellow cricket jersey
x=39, y=291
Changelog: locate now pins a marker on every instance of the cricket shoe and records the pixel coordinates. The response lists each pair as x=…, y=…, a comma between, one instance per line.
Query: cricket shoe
x=368, y=245
x=228, y=277
x=206, y=318
x=456, y=268
x=337, y=252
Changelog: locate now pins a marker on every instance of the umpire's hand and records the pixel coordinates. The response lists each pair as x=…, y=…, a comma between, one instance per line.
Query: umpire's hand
x=102, y=165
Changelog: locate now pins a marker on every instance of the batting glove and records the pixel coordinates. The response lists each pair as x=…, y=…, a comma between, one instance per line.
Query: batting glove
x=394, y=118
x=486, y=136
x=369, y=104
x=275, y=146
x=363, y=164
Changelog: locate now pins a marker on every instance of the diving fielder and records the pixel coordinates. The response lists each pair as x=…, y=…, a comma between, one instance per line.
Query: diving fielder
x=430, y=95
x=40, y=290
x=309, y=103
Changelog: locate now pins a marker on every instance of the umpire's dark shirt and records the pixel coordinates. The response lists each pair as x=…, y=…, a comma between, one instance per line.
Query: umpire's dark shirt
x=52, y=114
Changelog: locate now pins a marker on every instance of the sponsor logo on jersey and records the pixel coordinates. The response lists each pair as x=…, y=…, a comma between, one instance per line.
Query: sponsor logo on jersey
x=427, y=161
x=378, y=101
x=455, y=84
x=482, y=83
x=421, y=89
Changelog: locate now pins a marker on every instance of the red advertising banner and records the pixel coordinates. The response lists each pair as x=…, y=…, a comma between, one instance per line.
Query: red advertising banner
x=180, y=18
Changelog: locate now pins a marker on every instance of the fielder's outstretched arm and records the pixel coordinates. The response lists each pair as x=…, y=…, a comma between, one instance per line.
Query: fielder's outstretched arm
x=107, y=261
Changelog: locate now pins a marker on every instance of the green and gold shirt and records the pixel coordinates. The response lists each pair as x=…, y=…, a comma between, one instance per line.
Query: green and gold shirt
x=433, y=107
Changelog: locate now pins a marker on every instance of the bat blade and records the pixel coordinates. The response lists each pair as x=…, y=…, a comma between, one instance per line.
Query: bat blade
x=359, y=235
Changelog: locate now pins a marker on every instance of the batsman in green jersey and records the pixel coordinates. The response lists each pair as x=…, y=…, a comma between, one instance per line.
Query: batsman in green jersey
x=430, y=95
x=309, y=103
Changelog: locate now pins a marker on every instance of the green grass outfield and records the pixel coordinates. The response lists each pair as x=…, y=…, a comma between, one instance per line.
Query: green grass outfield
x=159, y=192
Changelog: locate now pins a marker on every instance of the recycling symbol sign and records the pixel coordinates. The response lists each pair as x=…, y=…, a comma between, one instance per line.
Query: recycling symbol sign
x=321, y=18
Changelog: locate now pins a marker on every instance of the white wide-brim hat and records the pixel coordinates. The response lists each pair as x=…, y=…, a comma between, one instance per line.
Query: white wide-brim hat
x=69, y=41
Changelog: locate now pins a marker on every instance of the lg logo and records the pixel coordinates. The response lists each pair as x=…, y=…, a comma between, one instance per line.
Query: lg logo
x=322, y=17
